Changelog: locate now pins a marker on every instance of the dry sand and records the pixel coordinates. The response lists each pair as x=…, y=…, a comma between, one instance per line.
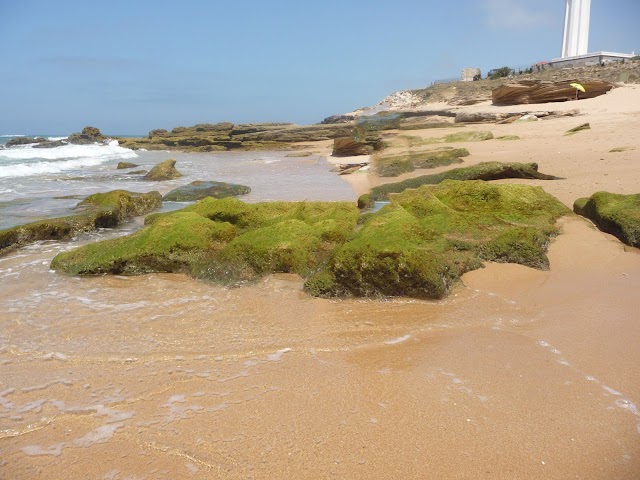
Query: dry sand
x=518, y=374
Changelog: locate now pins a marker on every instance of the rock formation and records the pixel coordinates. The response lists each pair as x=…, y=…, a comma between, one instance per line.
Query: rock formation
x=163, y=171
x=426, y=238
x=613, y=213
x=481, y=171
x=124, y=165
x=89, y=135
x=100, y=210
x=534, y=91
x=200, y=189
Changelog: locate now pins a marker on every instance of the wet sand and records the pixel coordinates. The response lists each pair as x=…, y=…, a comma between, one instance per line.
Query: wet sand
x=519, y=373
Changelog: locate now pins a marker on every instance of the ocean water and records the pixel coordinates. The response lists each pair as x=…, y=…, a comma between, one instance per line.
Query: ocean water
x=38, y=183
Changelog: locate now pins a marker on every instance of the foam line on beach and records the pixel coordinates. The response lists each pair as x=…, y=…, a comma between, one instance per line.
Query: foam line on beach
x=620, y=402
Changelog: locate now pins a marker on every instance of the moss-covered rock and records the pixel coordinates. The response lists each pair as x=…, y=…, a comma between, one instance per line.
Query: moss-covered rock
x=506, y=138
x=200, y=189
x=426, y=238
x=163, y=171
x=468, y=137
x=416, y=246
x=481, y=171
x=100, y=210
x=613, y=213
x=172, y=244
x=88, y=136
x=223, y=240
x=579, y=128
x=124, y=165
x=299, y=154
x=394, y=165
x=227, y=136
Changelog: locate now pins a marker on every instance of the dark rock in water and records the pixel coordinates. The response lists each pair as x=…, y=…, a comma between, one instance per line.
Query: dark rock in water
x=163, y=171
x=613, y=213
x=100, y=210
x=348, y=147
x=333, y=119
x=50, y=144
x=122, y=165
x=24, y=141
x=89, y=136
x=200, y=189
x=137, y=172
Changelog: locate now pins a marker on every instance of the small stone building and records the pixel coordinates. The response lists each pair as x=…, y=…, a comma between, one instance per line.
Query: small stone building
x=469, y=74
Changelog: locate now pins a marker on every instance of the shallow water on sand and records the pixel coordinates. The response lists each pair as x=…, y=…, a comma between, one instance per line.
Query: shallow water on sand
x=271, y=176
x=518, y=374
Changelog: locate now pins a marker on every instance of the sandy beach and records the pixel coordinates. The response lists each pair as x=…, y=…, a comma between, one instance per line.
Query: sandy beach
x=519, y=373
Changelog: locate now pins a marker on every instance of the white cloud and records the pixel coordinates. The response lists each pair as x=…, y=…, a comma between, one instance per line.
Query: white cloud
x=518, y=14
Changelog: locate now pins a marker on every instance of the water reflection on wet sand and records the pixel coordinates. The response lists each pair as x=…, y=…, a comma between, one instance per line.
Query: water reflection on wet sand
x=165, y=377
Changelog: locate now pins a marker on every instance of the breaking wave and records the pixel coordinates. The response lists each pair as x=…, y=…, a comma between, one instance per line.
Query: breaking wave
x=27, y=161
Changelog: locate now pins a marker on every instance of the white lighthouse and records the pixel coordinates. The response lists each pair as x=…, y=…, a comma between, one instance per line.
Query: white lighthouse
x=575, y=40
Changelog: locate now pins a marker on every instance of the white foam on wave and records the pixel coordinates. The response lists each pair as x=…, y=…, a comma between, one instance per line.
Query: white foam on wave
x=11, y=136
x=60, y=159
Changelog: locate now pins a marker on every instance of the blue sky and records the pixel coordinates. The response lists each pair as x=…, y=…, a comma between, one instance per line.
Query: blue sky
x=130, y=66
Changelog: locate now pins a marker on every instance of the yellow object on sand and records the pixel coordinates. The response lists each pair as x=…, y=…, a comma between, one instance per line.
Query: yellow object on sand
x=579, y=87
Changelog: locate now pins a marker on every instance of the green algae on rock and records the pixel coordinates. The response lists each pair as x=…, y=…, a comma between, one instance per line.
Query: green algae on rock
x=163, y=171
x=201, y=189
x=417, y=246
x=613, y=213
x=171, y=244
x=468, y=137
x=101, y=210
x=227, y=136
x=223, y=240
x=579, y=128
x=481, y=171
x=298, y=154
x=124, y=165
x=426, y=238
x=394, y=165
x=621, y=149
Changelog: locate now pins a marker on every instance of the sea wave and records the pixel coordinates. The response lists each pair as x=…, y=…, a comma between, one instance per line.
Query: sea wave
x=11, y=136
x=38, y=161
x=53, y=139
